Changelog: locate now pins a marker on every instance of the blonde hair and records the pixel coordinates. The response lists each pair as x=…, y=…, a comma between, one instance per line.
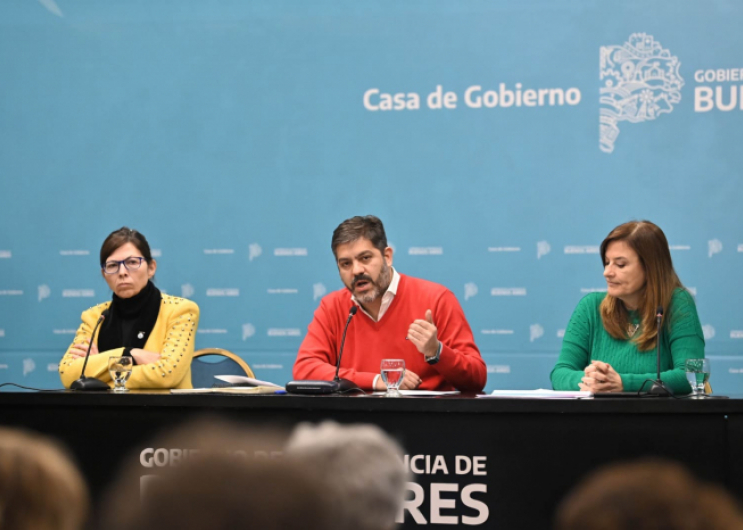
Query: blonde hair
x=40, y=487
x=651, y=246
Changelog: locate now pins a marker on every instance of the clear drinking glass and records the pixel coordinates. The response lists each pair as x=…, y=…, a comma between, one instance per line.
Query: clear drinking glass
x=697, y=373
x=120, y=369
x=393, y=372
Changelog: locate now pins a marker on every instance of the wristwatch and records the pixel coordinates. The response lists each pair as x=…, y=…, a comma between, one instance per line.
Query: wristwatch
x=434, y=359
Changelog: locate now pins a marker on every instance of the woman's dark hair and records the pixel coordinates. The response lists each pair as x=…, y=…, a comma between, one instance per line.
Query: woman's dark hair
x=122, y=236
x=369, y=227
x=651, y=246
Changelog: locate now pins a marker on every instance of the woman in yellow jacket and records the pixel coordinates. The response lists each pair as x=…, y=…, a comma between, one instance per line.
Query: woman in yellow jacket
x=156, y=330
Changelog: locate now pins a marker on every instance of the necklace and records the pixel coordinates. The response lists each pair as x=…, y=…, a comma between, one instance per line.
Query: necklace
x=632, y=329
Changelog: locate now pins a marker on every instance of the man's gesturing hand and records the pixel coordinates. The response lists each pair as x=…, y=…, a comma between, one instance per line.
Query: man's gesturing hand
x=422, y=333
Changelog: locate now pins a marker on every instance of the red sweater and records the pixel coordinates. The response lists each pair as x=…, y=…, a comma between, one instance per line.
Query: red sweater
x=367, y=342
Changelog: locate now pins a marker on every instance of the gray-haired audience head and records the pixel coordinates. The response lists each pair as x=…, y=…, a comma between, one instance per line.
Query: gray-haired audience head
x=360, y=465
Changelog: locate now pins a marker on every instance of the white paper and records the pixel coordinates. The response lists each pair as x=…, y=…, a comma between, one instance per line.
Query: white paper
x=421, y=393
x=243, y=379
x=539, y=394
x=240, y=390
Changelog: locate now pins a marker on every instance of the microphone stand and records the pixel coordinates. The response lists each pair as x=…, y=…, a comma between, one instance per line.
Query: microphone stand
x=326, y=387
x=659, y=388
x=343, y=385
x=90, y=383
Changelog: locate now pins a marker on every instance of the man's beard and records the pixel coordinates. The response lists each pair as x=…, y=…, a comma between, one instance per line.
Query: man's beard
x=378, y=288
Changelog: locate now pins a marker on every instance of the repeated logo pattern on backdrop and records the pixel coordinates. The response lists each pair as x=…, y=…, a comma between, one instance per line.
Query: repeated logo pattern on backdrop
x=237, y=149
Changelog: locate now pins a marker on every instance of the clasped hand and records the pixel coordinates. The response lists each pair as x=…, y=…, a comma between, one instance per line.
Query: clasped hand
x=600, y=377
x=410, y=381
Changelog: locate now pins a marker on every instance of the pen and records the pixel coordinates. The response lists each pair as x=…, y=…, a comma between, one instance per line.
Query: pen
x=282, y=391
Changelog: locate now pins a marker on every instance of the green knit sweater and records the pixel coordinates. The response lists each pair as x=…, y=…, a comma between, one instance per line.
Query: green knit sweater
x=586, y=340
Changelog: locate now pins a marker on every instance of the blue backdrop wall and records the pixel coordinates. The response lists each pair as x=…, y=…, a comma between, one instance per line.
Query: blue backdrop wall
x=498, y=141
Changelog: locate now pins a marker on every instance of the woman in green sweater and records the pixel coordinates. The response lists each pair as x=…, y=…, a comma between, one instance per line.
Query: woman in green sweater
x=610, y=342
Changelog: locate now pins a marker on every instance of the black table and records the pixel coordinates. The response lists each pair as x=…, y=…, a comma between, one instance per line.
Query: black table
x=500, y=463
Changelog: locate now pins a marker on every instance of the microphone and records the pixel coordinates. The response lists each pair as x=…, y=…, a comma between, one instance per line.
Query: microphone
x=90, y=383
x=659, y=388
x=327, y=387
x=344, y=384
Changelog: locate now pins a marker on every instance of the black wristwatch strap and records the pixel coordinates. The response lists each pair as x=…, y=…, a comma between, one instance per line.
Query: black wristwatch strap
x=435, y=358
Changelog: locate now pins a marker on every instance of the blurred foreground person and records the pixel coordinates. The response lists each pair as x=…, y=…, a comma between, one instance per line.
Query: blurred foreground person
x=647, y=495
x=40, y=487
x=359, y=465
x=224, y=478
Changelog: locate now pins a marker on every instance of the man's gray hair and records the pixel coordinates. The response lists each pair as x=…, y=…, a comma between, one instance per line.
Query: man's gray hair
x=362, y=467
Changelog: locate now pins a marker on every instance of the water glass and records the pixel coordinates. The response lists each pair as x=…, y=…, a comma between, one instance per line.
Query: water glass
x=697, y=373
x=120, y=369
x=393, y=372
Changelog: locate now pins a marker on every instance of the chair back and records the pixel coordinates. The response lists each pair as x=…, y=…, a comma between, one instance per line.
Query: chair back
x=210, y=362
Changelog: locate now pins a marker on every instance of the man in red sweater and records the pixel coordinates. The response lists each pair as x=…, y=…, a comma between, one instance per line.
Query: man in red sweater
x=400, y=317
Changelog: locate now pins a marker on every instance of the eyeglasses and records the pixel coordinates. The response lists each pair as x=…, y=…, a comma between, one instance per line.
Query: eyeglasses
x=131, y=263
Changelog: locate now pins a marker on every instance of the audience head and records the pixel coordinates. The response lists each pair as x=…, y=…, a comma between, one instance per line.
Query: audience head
x=640, y=276
x=361, y=467
x=226, y=479
x=647, y=495
x=40, y=487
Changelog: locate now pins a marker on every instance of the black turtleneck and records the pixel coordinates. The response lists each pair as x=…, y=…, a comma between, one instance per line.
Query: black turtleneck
x=130, y=320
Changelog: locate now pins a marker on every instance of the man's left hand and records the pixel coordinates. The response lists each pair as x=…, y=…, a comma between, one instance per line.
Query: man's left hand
x=422, y=333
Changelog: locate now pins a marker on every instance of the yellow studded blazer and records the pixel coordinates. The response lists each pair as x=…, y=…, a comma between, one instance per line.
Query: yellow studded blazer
x=173, y=337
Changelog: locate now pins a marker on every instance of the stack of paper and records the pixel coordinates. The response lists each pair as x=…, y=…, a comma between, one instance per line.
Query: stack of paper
x=244, y=380
x=231, y=390
x=238, y=384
